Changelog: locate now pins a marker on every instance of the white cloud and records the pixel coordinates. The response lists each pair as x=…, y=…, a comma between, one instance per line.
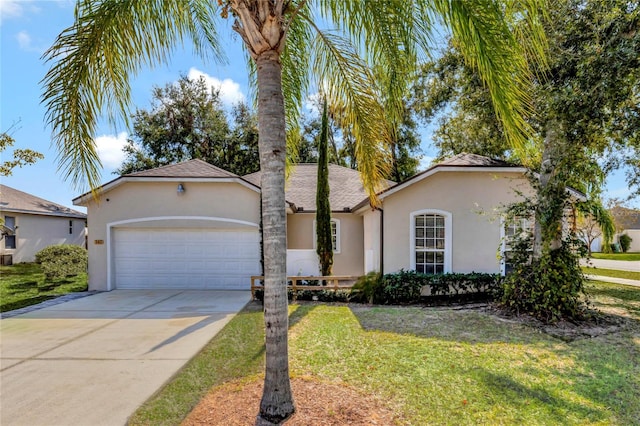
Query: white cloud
x=230, y=92
x=110, y=149
x=16, y=8
x=24, y=40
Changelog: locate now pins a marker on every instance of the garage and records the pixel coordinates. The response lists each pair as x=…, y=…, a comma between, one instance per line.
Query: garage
x=203, y=258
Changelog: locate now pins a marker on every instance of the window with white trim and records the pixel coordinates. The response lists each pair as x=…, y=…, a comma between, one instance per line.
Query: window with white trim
x=431, y=242
x=335, y=235
x=10, y=240
x=512, y=230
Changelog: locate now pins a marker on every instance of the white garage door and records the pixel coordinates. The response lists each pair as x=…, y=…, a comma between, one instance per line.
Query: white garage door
x=185, y=258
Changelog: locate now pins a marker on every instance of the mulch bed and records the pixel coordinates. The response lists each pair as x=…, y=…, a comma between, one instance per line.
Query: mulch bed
x=317, y=403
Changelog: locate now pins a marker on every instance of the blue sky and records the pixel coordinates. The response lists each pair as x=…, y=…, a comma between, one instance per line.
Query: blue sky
x=28, y=28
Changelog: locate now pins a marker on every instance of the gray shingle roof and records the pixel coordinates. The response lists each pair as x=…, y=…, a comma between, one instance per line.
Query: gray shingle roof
x=12, y=200
x=626, y=218
x=345, y=187
x=473, y=160
x=187, y=169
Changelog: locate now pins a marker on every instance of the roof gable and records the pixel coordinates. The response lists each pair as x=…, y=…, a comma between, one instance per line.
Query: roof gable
x=188, y=169
x=13, y=200
x=473, y=160
x=191, y=170
x=626, y=218
x=345, y=187
x=460, y=163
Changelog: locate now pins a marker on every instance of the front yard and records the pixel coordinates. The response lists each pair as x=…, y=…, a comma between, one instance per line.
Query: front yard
x=24, y=284
x=433, y=365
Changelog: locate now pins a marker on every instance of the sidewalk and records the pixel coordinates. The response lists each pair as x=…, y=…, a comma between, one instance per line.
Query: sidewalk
x=624, y=281
x=620, y=265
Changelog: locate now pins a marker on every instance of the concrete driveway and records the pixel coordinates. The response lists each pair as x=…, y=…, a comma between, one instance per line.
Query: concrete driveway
x=93, y=361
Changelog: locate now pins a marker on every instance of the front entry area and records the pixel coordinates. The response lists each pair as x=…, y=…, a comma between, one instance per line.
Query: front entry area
x=185, y=258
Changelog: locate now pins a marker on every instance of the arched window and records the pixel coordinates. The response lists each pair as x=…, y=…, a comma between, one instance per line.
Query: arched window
x=431, y=241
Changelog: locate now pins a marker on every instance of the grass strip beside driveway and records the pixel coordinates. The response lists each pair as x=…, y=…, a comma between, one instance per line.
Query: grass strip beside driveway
x=615, y=273
x=436, y=365
x=24, y=284
x=616, y=256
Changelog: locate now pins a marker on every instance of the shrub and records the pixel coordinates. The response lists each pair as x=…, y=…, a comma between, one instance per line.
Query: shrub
x=402, y=287
x=550, y=288
x=62, y=260
x=414, y=287
x=314, y=295
x=367, y=288
x=625, y=242
x=407, y=287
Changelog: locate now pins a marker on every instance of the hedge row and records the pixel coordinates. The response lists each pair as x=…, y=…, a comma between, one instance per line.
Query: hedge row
x=407, y=287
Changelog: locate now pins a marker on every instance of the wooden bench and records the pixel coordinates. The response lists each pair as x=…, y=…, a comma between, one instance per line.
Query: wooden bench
x=333, y=282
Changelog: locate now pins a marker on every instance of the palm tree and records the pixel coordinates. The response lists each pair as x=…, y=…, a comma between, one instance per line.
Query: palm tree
x=92, y=61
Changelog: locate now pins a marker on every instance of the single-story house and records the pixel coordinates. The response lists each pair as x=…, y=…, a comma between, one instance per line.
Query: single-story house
x=32, y=223
x=193, y=225
x=628, y=222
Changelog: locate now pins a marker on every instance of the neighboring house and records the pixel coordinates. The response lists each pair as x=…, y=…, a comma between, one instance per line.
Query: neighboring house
x=32, y=223
x=627, y=222
x=193, y=225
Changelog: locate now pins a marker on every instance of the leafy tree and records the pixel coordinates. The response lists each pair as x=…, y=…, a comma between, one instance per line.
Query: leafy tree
x=587, y=99
x=594, y=221
x=91, y=62
x=186, y=121
x=324, y=241
x=588, y=230
x=21, y=157
x=586, y=113
x=404, y=144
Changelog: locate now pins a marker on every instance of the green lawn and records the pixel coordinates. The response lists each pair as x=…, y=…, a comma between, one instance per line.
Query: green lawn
x=630, y=275
x=616, y=256
x=24, y=284
x=436, y=365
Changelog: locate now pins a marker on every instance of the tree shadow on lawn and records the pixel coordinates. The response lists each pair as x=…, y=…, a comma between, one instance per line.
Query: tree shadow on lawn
x=511, y=395
x=470, y=325
x=22, y=287
x=25, y=302
x=296, y=313
x=594, y=374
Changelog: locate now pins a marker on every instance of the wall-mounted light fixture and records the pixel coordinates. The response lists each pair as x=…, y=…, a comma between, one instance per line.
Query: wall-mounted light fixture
x=181, y=189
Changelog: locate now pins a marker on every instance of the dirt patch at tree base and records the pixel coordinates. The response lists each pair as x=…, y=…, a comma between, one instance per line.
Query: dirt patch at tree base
x=317, y=403
x=596, y=324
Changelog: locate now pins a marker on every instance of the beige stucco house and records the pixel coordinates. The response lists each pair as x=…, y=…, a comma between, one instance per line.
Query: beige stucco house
x=193, y=225
x=32, y=223
x=627, y=222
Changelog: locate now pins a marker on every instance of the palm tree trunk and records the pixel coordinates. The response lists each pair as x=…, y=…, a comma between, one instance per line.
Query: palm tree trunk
x=277, y=399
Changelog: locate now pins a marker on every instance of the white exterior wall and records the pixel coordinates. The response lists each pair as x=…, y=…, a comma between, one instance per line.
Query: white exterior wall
x=635, y=239
x=349, y=260
x=371, y=223
x=224, y=205
x=472, y=200
x=35, y=232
